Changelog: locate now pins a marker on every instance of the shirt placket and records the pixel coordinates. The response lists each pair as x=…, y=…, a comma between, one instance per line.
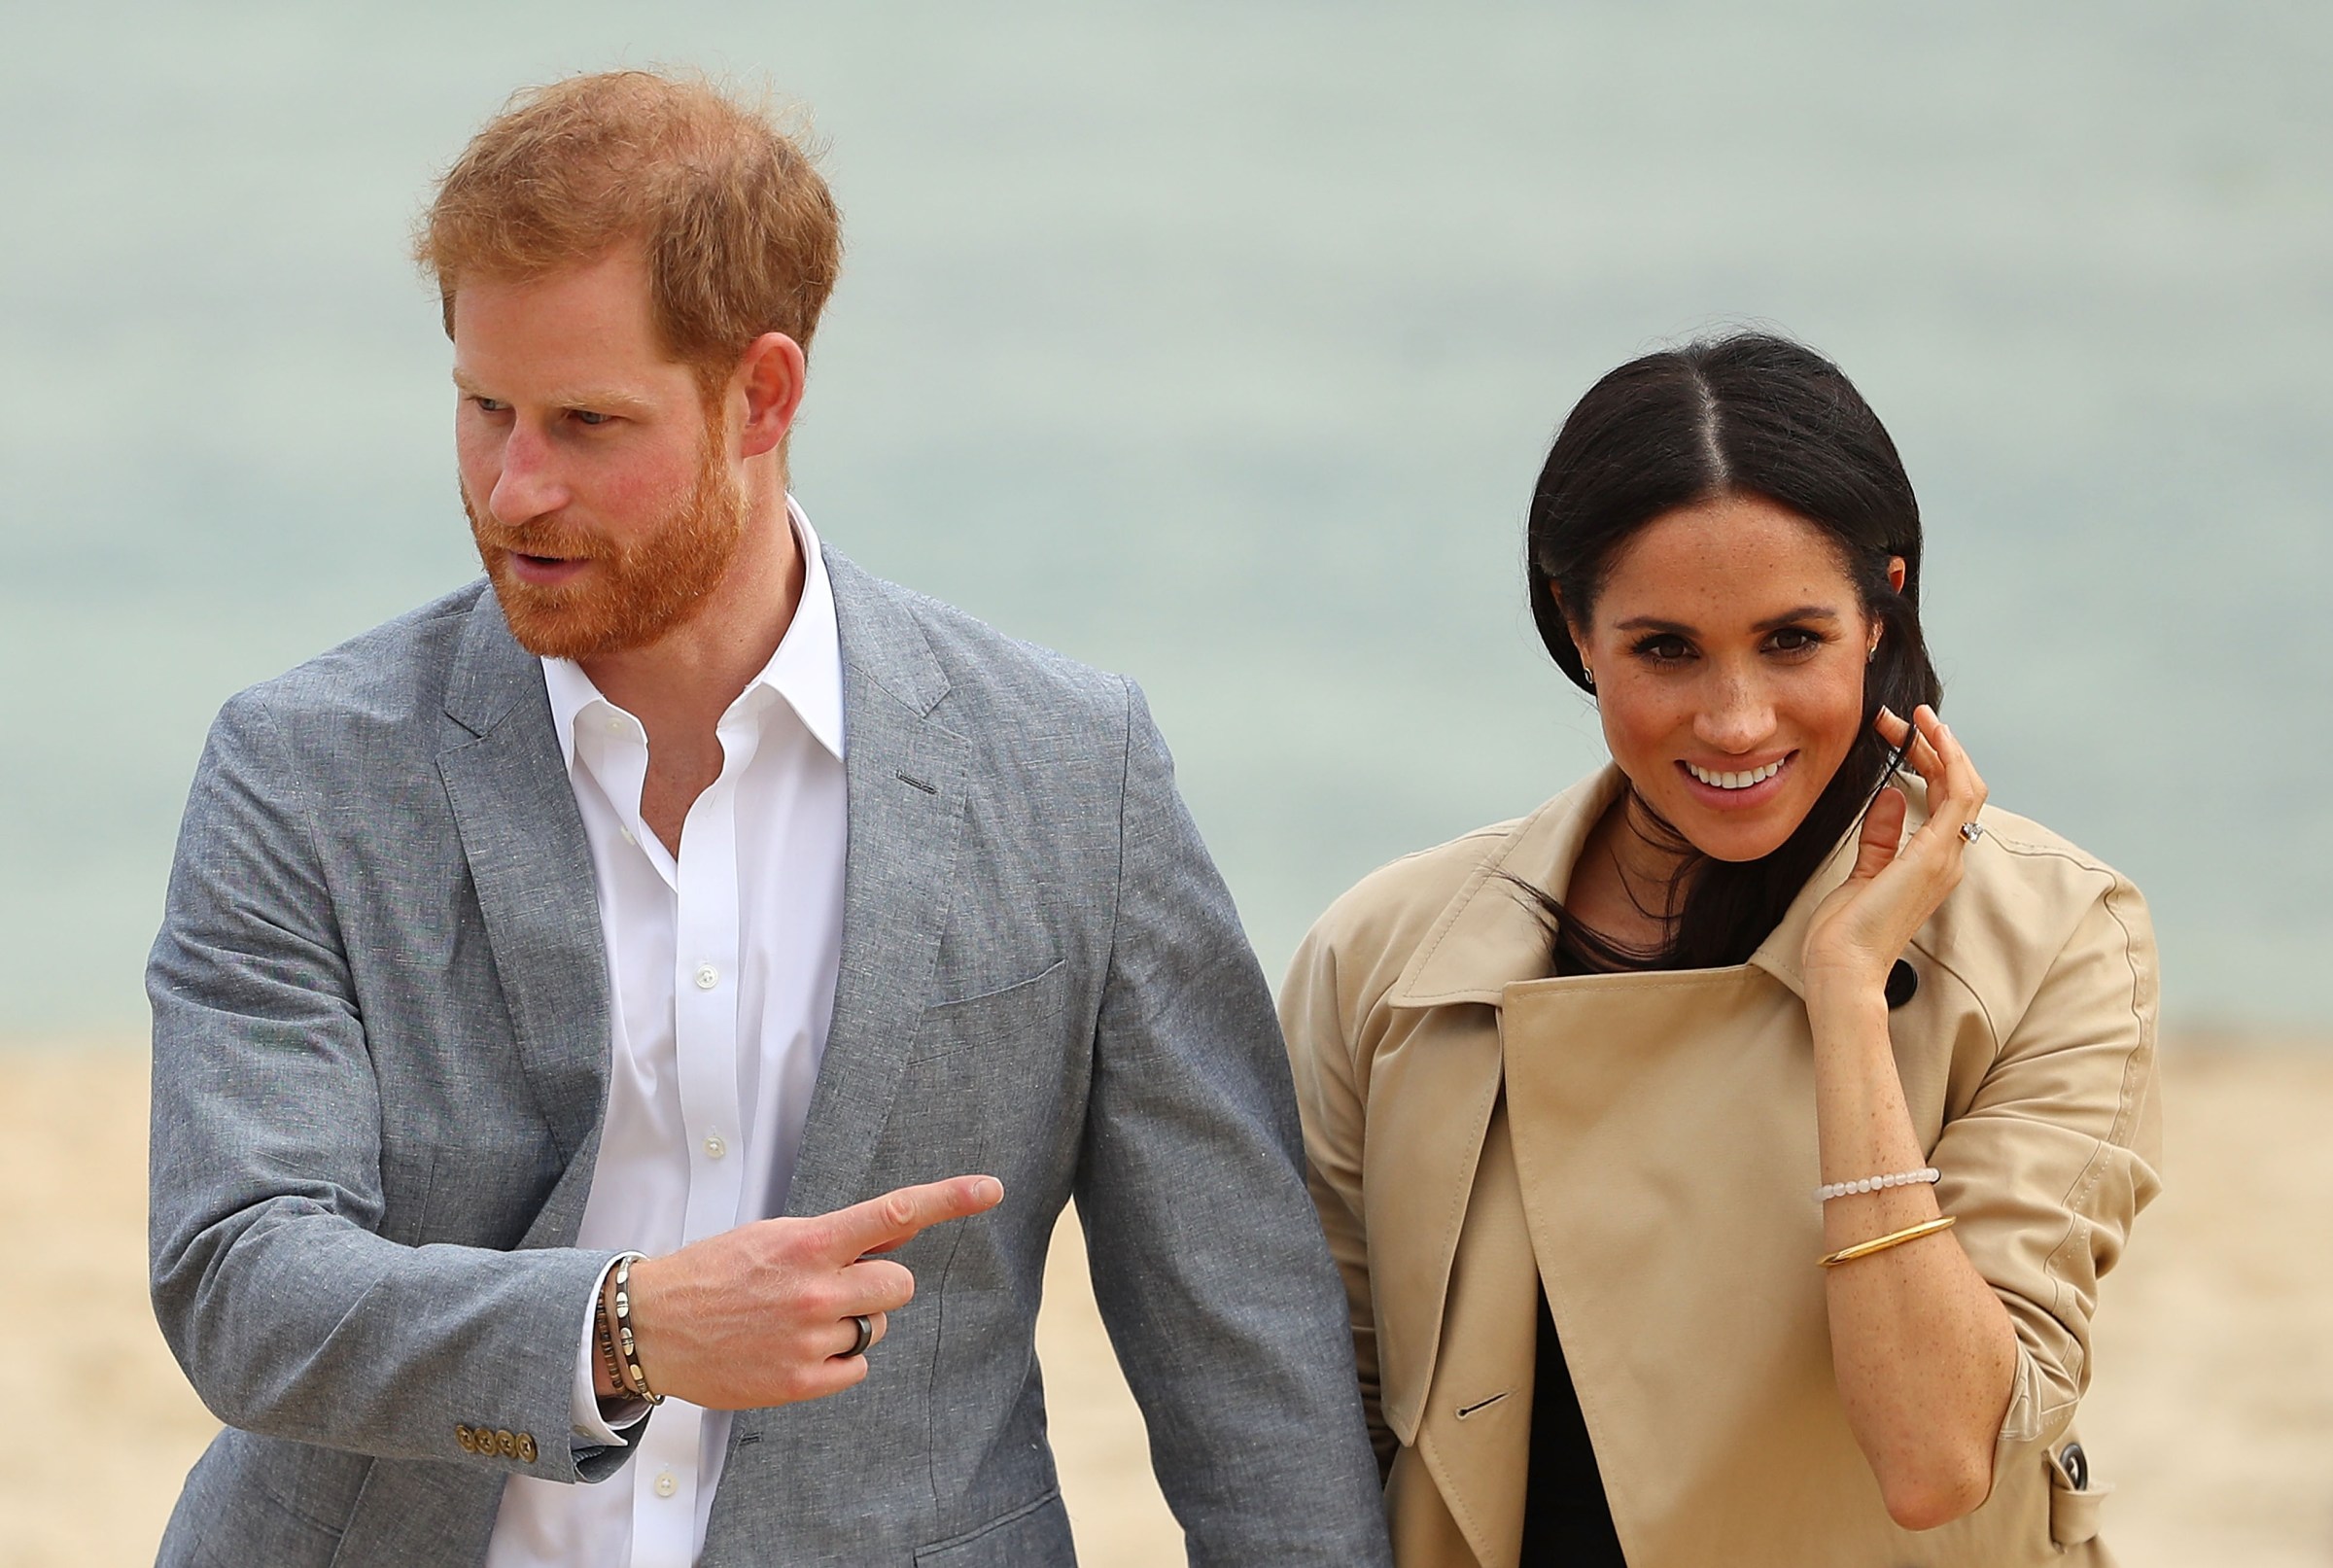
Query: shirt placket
x=706, y=954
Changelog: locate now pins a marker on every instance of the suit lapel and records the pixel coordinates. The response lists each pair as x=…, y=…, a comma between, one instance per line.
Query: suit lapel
x=531, y=866
x=907, y=791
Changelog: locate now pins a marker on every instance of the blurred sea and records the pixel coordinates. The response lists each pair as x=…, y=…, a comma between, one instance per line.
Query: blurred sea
x=1219, y=344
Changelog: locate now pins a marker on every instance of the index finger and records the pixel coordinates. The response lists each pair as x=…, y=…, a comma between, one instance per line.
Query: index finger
x=882, y=1223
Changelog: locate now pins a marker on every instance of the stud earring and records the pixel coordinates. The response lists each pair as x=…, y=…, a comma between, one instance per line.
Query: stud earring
x=1871, y=653
x=1589, y=676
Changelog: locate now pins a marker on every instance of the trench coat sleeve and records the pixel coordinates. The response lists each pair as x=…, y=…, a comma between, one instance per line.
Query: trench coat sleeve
x=2057, y=1152
x=1316, y=1018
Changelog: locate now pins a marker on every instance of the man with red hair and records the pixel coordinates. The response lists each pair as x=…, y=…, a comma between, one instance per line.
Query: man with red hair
x=589, y=1008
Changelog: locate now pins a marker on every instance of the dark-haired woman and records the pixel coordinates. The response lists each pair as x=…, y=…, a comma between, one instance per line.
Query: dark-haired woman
x=1723, y=1158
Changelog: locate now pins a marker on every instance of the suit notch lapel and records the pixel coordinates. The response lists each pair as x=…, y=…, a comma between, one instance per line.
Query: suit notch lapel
x=530, y=865
x=908, y=787
x=908, y=792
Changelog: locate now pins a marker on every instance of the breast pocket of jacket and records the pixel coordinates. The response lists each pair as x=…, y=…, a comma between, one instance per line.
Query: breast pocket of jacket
x=985, y=1077
x=1012, y=1019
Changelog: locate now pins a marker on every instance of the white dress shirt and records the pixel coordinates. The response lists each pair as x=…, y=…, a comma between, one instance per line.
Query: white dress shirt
x=721, y=969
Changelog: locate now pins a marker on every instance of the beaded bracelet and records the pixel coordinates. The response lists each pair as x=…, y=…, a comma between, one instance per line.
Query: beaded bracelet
x=1872, y=1184
x=635, y=1380
x=604, y=1332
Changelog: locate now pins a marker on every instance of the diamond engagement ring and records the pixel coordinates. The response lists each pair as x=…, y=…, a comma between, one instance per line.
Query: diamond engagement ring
x=1973, y=831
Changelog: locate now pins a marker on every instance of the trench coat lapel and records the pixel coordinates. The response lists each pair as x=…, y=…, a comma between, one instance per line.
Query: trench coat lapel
x=530, y=863
x=906, y=787
x=1480, y=1230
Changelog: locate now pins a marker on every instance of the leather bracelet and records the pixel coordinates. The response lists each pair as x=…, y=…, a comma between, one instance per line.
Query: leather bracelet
x=635, y=1378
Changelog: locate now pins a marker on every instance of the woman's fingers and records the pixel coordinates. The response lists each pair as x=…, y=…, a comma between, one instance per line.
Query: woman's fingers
x=1918, y=749
x=1955, y=791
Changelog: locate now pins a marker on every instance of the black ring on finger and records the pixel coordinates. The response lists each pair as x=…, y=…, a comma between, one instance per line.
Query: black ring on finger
x=866, y=1336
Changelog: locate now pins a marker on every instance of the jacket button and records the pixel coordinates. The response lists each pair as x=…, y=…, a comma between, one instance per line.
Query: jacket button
x=467, y=1438
x=505, y=1444
x=526, y=1447
x=1904, y=981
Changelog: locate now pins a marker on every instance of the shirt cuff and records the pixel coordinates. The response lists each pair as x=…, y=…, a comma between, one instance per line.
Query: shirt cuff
x=598, y=1426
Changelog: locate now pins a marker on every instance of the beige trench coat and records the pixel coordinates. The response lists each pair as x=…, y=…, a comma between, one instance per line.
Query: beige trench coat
x=1643, y=1147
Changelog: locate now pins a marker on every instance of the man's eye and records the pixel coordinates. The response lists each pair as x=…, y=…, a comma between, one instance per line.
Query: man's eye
x=488, y=406
x=585, y=416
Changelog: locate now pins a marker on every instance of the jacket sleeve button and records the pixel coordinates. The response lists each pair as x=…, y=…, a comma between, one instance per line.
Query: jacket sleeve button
x=467, y=1438
x=526, y=1447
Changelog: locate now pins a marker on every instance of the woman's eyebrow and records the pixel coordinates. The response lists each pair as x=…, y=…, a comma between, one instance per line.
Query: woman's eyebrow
x=1678, y=628
x=1805, y=612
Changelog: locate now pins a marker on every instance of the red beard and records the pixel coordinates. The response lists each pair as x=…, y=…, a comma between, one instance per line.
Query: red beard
x=630, y=596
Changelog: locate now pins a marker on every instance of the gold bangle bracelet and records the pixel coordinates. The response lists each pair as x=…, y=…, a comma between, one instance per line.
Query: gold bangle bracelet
x=1881, y=1243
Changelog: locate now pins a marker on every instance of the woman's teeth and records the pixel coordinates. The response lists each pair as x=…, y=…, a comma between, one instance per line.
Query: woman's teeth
x=1736, y=781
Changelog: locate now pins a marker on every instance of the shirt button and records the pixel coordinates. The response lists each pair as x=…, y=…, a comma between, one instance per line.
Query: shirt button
x=615, y=726
x=708, y=977
x=715, y=1148
x=667, y=1484
x=628, y=837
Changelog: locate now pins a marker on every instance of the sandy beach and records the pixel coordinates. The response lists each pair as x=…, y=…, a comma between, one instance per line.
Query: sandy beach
x=2212, y=1413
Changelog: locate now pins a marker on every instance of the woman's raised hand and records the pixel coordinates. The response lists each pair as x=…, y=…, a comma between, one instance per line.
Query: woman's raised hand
x=1860, y=930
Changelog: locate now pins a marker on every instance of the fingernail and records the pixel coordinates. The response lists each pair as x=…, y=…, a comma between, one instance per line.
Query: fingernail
x=989, y=1190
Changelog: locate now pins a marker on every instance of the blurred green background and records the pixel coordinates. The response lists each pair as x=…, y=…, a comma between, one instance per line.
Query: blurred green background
x=1219, y=344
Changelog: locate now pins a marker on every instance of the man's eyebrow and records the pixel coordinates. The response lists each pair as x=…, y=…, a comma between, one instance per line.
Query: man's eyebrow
x=1678, y=628
x=600, y=399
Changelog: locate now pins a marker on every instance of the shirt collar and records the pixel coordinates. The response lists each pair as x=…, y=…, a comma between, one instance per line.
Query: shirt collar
x=806, y=671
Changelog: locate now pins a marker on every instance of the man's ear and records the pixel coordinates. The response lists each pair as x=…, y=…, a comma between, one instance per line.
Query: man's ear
x=769, y=381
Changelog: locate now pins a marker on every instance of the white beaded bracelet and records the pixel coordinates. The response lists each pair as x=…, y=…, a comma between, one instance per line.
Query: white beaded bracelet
x=1872, y=1184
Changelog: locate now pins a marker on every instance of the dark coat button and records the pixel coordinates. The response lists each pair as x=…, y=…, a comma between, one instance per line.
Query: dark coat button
x=1903, y=982
x=2077, y=1465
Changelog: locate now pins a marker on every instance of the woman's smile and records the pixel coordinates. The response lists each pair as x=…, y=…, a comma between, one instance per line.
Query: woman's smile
x=1740, y=787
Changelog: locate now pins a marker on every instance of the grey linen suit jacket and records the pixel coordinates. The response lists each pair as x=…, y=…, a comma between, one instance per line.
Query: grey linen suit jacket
x=380, y=1046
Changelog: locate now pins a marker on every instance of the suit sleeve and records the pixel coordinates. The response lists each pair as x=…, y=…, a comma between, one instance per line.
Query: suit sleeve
x=1329, y=1096
x=2057, y=1152
x=290, y=1314
x=1209, y=1262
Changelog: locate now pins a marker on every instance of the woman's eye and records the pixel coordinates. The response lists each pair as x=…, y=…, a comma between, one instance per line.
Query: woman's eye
x=1664, y=649
x=1794, y=640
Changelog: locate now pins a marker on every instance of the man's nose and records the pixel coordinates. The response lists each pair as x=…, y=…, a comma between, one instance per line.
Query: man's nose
x=527, y=486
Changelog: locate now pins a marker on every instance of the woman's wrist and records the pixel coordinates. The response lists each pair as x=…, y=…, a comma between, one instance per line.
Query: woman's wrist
x=1838, y=982
x=1842, y=1012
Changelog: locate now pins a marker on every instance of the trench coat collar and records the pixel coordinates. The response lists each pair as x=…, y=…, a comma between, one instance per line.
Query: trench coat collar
x=1492, y=934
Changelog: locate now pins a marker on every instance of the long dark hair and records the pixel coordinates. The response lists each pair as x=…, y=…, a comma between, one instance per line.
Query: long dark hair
x=1744, y=415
